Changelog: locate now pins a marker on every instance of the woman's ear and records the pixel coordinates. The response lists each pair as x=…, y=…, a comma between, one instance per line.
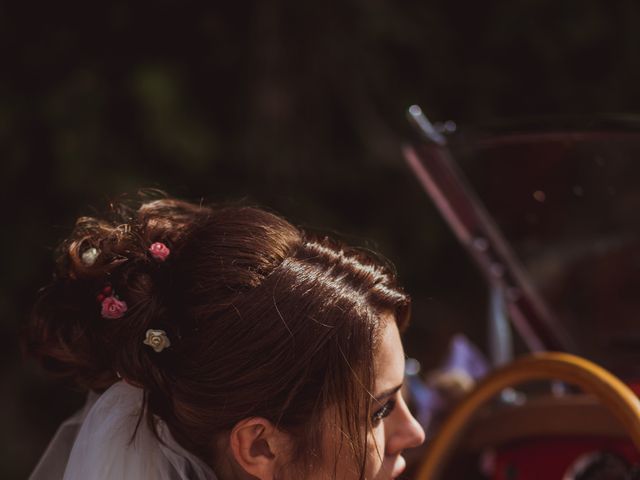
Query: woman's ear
x=258, y=446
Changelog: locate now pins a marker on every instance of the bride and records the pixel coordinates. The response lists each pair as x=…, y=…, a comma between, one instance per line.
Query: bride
x=222, y=343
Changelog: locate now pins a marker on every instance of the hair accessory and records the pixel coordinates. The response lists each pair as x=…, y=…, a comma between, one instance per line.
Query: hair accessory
x=112, y=443
x=157, y=339
x=89, y=256
x=112, y=306
x=159, y=251
x=124, y=228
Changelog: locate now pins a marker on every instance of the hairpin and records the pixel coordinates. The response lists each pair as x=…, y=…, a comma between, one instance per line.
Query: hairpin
x=157, y=339
x=159, y=251
x=124, y=228
x=89, y=256
x=112, y=306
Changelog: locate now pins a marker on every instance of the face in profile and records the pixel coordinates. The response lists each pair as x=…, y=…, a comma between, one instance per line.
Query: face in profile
x=263, y=451
x=394, y=428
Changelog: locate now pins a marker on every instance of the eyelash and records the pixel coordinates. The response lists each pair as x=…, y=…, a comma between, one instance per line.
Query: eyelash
x=385, y=411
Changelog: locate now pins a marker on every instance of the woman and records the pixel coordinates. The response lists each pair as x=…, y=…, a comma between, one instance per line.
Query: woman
x=223, y=340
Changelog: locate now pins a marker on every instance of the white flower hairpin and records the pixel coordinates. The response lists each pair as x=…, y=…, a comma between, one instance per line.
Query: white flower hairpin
x=89, y=256
x=157, y=339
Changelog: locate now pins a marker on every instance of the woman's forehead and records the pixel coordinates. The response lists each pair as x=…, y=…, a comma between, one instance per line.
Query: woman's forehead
x=389, y=358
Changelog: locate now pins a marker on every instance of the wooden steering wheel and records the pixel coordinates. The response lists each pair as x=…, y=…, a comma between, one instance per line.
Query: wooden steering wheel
x=591, y=378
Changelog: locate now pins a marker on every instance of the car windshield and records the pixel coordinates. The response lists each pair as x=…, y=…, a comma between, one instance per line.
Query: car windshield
x=568, y=202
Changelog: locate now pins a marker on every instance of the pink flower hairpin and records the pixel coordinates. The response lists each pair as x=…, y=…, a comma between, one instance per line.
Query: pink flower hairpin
x=112, y=306
x=159, y=251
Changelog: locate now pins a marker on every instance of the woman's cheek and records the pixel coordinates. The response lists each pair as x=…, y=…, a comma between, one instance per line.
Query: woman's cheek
x=376, y=452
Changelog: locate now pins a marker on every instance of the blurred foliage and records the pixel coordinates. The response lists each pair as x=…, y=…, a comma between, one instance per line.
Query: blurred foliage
x=298, y=106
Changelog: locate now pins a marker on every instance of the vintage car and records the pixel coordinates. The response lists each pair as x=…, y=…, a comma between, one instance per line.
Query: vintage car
x=553, y=225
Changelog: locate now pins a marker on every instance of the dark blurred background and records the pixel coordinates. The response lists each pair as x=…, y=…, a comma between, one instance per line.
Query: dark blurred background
x=297, y=106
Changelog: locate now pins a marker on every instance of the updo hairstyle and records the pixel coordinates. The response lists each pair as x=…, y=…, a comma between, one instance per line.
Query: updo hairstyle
x=264, y=318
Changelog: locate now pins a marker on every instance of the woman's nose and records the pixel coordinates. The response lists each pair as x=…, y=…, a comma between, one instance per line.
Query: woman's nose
x=406, y=433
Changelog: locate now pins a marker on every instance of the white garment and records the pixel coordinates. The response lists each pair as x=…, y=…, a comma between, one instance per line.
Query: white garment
x=98, y=443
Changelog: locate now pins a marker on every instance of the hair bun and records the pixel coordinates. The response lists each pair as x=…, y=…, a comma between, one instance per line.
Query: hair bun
x=127, y=248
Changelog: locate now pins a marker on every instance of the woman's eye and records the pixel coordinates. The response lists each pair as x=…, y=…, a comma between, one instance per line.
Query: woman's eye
x=384, y=411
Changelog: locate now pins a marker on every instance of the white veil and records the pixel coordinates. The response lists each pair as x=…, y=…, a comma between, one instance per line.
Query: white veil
x=99, y=443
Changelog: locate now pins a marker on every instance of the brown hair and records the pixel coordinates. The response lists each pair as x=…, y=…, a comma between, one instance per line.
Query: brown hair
x=264, y=318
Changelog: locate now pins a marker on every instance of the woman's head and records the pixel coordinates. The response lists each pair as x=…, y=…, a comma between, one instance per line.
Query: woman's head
x=277, y=335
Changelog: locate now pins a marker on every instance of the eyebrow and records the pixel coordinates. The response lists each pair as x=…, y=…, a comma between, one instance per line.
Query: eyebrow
x=387, y=393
